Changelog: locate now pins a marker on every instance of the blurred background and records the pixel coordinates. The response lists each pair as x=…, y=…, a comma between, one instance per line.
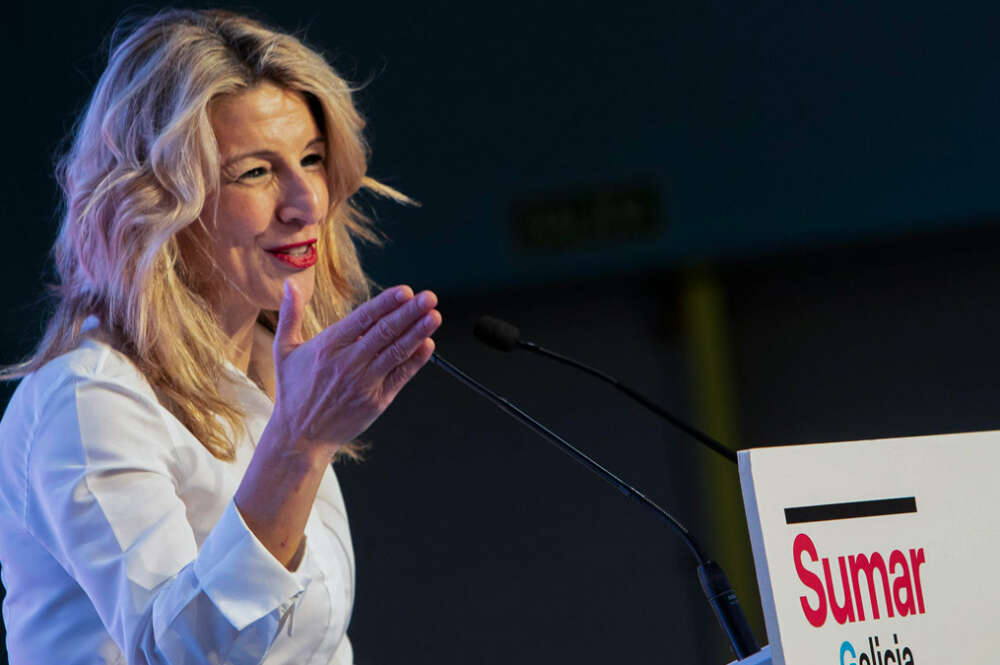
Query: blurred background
x=779, y=220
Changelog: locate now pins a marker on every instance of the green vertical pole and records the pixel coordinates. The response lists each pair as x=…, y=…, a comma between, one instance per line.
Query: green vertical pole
x=709, y=349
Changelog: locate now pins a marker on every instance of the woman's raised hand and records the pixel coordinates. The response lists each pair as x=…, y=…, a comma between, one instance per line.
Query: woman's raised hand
x=328, y=391
x=331, y=388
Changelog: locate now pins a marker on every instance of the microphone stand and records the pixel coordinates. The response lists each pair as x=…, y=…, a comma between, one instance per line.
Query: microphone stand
x=714, y=582
x=504, y=336
x=697, y=434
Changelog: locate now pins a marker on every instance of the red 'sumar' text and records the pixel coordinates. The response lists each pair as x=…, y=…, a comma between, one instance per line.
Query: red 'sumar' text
x=892, y=584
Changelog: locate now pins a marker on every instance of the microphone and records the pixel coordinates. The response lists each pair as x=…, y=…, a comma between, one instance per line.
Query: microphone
x=497, y=333
x=714, y=582
x=504, y=336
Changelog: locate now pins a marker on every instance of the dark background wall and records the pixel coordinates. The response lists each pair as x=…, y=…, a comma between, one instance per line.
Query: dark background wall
x=827, y=167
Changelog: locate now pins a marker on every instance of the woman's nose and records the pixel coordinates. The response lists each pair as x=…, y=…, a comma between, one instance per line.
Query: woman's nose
x=303, y=199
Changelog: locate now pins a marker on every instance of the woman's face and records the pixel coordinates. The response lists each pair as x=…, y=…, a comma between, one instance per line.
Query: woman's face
x=261, y=228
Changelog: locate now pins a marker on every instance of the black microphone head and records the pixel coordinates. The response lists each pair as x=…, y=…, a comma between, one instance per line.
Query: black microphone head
x=496, y=333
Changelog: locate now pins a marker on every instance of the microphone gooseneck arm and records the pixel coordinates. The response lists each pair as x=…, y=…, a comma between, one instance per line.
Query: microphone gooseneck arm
x=713, y=580
x=715, y=445
x=505, y=405
x=505, y=336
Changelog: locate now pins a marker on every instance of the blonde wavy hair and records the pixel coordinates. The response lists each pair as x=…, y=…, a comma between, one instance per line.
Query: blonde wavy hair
x=142, y=162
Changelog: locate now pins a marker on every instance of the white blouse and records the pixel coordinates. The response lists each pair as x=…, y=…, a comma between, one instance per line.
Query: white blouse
x=120, y=541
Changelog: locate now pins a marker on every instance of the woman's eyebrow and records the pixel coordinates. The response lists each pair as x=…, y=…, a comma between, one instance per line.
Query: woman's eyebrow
x=268, y=153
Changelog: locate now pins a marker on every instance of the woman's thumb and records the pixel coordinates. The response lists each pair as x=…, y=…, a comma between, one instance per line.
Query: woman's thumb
x=289, y=332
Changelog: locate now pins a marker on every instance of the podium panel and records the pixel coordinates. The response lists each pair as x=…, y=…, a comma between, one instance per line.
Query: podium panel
x=879, y=552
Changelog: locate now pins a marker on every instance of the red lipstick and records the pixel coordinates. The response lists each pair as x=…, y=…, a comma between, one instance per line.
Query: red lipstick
x=298, y=260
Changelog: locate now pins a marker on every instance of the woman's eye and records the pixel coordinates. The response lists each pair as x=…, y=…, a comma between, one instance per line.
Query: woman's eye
x=258, y=172
x=312, y=160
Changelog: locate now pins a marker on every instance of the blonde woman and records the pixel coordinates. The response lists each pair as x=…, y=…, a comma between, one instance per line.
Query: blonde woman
x=166, y=491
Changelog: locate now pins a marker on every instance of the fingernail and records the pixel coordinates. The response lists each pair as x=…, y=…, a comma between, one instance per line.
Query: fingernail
x=401, y=295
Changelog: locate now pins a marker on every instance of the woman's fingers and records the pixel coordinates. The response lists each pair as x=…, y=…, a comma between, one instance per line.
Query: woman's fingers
x=355, y=367
x=405, y=345
x=288, y=334
x=361, y=320
x=387, y=331
x=398, y=377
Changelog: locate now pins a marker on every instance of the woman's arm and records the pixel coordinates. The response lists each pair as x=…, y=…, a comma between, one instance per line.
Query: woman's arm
x=103, y=473
x=105, y=467
x=328, y=391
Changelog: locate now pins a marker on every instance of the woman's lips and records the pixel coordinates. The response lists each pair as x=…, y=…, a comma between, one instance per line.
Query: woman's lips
x=299, y=261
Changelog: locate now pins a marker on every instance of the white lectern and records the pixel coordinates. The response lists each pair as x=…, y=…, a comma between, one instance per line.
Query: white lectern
x=762, y=657
x=877, y=552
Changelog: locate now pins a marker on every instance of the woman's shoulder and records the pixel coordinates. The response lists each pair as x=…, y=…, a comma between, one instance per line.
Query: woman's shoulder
x=92, y=360
x=87, y=404
x=90, y=382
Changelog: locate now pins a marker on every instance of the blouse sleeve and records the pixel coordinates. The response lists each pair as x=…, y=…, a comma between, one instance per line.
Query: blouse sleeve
x=102, y=498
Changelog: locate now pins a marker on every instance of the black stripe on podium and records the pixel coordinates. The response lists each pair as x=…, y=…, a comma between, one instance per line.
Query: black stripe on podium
x=850, y=509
